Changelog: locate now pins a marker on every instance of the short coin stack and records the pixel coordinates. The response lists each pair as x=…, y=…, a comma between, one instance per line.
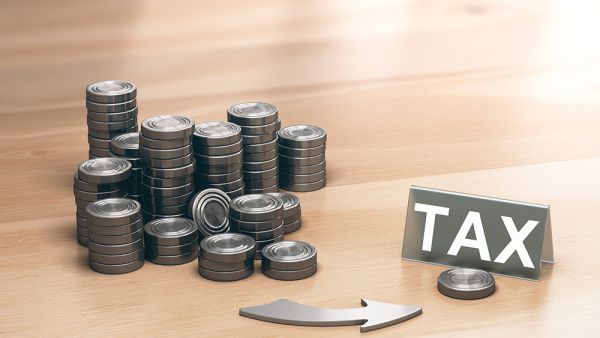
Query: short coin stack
x=209, y=209
x=218, y=151
x=226, y=257
x=167, y=166
x=289, y=260
x=94, y=180
x=260, y=123
x=116, y=235
x=112, y=110
x=302, y=158
x=127, y=147
x=291, y=211
x=259, y=216
x=171, y=241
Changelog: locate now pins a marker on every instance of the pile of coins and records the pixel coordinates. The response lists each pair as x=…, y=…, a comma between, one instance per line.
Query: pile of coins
x=116, y=233
x=112, y=110
x=259, y=123
x=302, y=158
x=289, y=260
x=226, y=257
x=94, y=180
x=218, y=151
x=209, y=209
x=127, y=147
x=167, y=166
x=259, y=216
x=291, y=211
x=171, y=241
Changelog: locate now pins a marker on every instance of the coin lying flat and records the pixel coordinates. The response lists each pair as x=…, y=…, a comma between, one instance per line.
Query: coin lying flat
x=127, y=145
x=167, y=127
x=302, y=179
x=302, y=152
x=302, y=136
x=235, y=193
x=218, y=178
x=290, y=275
x=118, y=107
x=266, y=190
x=113, y=211
x=168, y=163
x=260, y=166
x=262, y=129
x=261, y=147
x=301, y=161
x=258, y=139
x=291, y=227
x=120, y=249
x=288, y=256
x=227, y=248
x=260, y=175
x=104, y=170
x=113, y=269
x=263, y=235
x=99, y=152
x=258, y=184
x=303, y=187
x=228, y=276
x=461, y=283
x=116, y=259
x=214, y=134
x=209, y=209
x=170, y=231
x=173, y=260
x=171, y=250
x=113, y=117
x=253, y=225
x=228, y=186
x=218, y=150
x=252, y=113
x=116, y=230
x=166, y=154
x=166, y=182
x=291, y=203
x=303, y=170
x=165, y=144
x=115, y=239
x=111, y=91
x=171, y=172
x=168, y=201
x=111, y=126
x=95, y=196
x=224, y=267
x=257, y=157
x=256, y=207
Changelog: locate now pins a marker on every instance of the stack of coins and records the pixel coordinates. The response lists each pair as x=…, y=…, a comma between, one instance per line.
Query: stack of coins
x=167, y=166
x=302, y=158
x=171, y=241
x=94, y=180
x=226, y=257
x=209, y=209
x=116, y=235
x=259, y=216
x=260, y=123
x=127, y=147
x=218, y=151
x=112, y=110
x=291, y=211
x=289, y=260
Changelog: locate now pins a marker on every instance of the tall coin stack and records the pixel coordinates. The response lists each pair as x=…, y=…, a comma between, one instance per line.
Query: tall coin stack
x=259, y=216
x=116, y=236
x=127, y=147
x=260, y=123
x=167, y=166
x=226, y=257
x=302, y=158
x=94, y=180
x=112, y=110
x=291, y=211
x=171, y=241
x=218, y=151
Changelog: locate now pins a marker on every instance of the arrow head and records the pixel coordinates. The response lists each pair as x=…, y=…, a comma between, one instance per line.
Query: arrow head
x=385, y=314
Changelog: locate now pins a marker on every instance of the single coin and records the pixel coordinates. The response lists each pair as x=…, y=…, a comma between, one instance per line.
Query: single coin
x=111, y=91
x=111, y=126
x=104, y=170
x=295, y=179
x=224, y=267
x=214, y=134
x=260, y=166
x=258, y=157
x=110, y=107
x=263, y=235
x=256, y=207
x=113, y=117
x=114, y=269
x=291, y=203
x=262, y=129
x=218, y=169
x=98, y=142
x=168, y=201
x=115, y=239
x=260, y=184
x=170, y=231
x=219, y=150
x=235, y=193
x=81, y=221
x=305, y=187
x=209, y=210
x=91, y=187
x=126, y=145
x=113, y=211
x=165, y=144
x=303, y=170
x=266, y=190
x=81, y=204
x=253, y=225
x=108, y=135
x=82, y=240
x=289, y=256
x=261, y=147
x=461, y=283
x=167, y=192
x=217, y=178
x=302, y=152
x=167, y=127
x=173, y=260
x=116, y=259
x=172, y=250
x=227, y=248
x=168, y=164
x=229, y=186
x=165, y=154
x=228, y=276
x=302, y=136
x=165, y=209
x=82, y=231
x=118, y=230
x=99, y=152
x=301, y=161
x=95, y=196
x=258, y=139
x=225, y=160
x=116, y=249
x=252, y=113
x=290, y=275
x=292, y=217
x=292, y=227
x=262, y=244
x=260, y=175
x=170, y=173
x=167, y=182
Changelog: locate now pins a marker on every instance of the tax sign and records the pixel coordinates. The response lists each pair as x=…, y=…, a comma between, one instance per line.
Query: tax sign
x=501, y=236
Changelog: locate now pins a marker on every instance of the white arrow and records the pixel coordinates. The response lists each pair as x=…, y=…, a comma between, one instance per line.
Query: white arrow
x=372, y=316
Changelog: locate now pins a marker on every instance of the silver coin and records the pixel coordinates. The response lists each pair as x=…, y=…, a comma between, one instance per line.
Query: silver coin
x=170, y=173
x=219, y=150
x=126, y=145
x=252, y=113
x=263, y=235
x=227, y=248
x=261, y=147
x=302, y=136
x=292, y=227
x=136, y=162
x=262, y=129
x=98, y=142
x=167, y=182
x=113, y=117
x=114, y=269
x=81, y=204
x=260, y=166
x=302, y=152
x=99, y=152
x=116, y=249
x=111, y=91
x=83, y=240
x=167, y=127
x=228, y=186
x=228, y=276
x=291, y=218
x=82, y=232
x=271, y=189
x=209, y=210
x=167, y=192
x=256, y=207
x=113, y=211
x=172, y=250
x=235, y=193
x=118, y=230
x=111, y=126
x=148, y=217
x=116, y=259
x=81, y=221
x=301, y=161
x=295, y=179
x=224, y=267
x=115, y=239
x=461, y=283
x=288, y=255
x=214, y=134
x=165, y=209
x=225, y=160
x=168, y=164
x=95, y=196
x=262, y=244
x=164, y=144
x=167, y=153
x=167, y=201
x=260, y=175
x=258, y=157
x=291, y=203
x=303, y=170
x=260, y=184
x=108, y=135
x=258, y=139
x=253, y=225
x=303, y=187
x=110, y=107
x=217, y=178
x=290, y=275
x=218, y=169
x=170, y=231
x=135, y=197
x=173, y=260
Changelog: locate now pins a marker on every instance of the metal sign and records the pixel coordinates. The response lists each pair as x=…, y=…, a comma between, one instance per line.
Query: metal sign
x=496, y=235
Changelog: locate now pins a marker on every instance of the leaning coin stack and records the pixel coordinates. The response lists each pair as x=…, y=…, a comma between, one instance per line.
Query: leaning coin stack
x=116, y=235
x=226, y=257
x=302, y=158
x=209, y=209
x=127, y=147
x=171, y=241
x=291, y=211
x=218, y=151
x=167, y=166
x=112, y=110
x=289, y=260
x=260, y=123
x=94, y=180
x=259, y=216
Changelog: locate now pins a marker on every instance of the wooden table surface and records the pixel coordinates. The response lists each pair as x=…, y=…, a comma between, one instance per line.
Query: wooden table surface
x=499, y=98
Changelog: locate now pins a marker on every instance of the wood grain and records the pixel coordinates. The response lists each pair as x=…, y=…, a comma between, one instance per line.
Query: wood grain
x=498, y=98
